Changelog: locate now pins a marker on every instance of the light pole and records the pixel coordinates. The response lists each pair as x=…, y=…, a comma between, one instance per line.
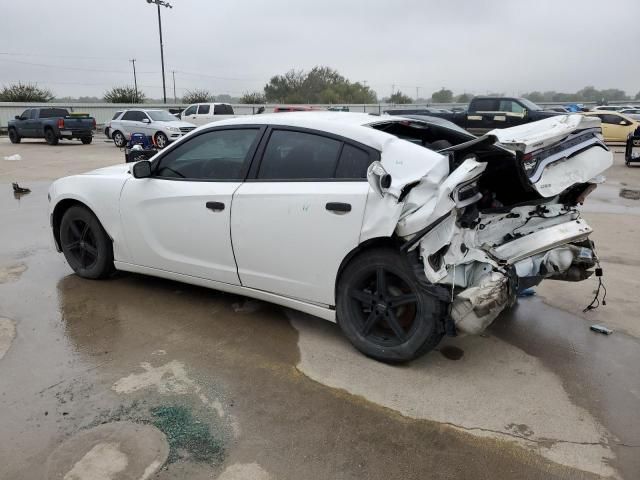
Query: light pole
x=135, y=80
x=161, y=3
x=175, y=99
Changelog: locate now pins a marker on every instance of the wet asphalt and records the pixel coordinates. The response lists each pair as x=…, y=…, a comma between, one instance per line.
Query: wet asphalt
x=87, y=353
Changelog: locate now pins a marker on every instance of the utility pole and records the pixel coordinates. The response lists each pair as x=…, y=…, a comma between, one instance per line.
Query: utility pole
x=417, y=93
x=135, y=80
x=175, y=98
x=161, y=3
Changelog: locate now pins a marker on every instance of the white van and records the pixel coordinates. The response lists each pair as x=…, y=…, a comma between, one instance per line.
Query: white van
x=203, y=113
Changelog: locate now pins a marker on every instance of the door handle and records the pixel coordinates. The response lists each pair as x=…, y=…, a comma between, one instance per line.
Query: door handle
x=338, y=207
x=215, y=206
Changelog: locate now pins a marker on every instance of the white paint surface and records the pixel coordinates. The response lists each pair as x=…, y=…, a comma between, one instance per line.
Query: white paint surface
x=103, y=462
x=7, y=334
x=491, y=391
x=244, y=471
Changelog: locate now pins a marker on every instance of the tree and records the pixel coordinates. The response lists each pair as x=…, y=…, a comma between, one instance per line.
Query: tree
x=442, y=96
x=124, y=94
x=534, y=96
x=319, y=85
x=464, y=98
x=253, y=98
x=398, y=98
x=25, y=92
x=197, y=96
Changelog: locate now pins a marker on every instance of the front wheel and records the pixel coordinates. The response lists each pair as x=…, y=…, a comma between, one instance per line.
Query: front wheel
x=383, y=310
x=51, y=137
x=85, y=244
x=13, y=136
x=86, y=140
x=118, y=139
x=161, y=140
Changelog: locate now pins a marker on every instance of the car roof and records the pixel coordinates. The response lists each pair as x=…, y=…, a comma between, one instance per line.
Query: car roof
x=351, y=125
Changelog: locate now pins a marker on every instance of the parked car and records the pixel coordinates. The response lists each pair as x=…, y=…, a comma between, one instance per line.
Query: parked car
x=416, y=111
x=295, y=108
x=616, y=126
x=160, y=125
x=631, y=111
x=487, y=113
x=52, y=124
x=610, y=108
x=351, y=217
x=107, y=126
x=203, y=113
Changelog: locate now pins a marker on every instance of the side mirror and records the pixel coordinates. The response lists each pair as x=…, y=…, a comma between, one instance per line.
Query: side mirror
x=146, y=120
x=142, y=169
x=18, y=117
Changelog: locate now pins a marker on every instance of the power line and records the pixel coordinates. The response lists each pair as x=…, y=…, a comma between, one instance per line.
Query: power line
x=61, y=67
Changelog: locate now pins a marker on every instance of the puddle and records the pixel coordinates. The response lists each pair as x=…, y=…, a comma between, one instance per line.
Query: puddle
x=12, y=273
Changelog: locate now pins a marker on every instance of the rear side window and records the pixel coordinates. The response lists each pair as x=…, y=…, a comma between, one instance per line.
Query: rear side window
x=53, y=112
x=134, y=115
x=222, y=109
x=204, y=109
x=485, y=105
x=353, y=162
x=291, y=155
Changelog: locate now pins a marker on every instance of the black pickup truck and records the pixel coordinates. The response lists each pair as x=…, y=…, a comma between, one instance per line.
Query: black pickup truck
x=52, y=124
x=487, y=113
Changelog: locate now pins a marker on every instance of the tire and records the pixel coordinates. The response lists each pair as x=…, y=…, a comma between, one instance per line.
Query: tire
x=51, y=137
x=85, y=244
x=119, y=139
x=13, y=136
x=106, y=132
x=86, y=140
x=161, y=140
x=382, y=309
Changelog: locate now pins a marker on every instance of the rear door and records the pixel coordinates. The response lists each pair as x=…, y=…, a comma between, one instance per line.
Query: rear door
x=481, y=120
x=300, y=212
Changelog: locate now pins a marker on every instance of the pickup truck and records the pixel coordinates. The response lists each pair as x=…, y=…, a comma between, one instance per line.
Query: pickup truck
x=52, y=124
x=487, y=113
x=203, y=113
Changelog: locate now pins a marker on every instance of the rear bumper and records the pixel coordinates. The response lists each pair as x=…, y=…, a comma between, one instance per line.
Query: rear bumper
x=74, y=133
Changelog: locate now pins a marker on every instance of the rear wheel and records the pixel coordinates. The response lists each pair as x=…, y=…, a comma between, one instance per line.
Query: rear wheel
x=161, y=140
x=13, y=136
x=85, y=244
x=118, y=139
x=51, y=137
x=382, y=309
x=86, y=140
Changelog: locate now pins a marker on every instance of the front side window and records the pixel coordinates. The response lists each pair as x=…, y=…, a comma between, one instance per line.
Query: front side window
x=510, y=106
x=26, y=114
x=191, y=110
x=204, y=109
x=291, y=155
x=216, y=155
x=116, y=115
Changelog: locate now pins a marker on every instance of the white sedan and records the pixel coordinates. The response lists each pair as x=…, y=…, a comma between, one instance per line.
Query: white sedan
x=350, y=217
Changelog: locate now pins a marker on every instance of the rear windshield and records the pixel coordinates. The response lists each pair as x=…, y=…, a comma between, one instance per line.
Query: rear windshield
x=53, y=112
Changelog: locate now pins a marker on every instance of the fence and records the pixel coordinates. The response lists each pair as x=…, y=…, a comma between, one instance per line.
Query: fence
x=103, y=112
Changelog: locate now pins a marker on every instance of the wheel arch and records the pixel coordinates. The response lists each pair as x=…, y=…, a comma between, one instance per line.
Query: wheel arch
x=58, y=212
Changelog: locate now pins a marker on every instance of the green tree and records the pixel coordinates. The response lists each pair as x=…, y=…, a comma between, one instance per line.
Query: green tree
x=253, y=98
x=319, y=85
x=124, y=94
x=464, y=98
x=197, y=96
x=399, y=98
x=442, y=96
x=25, y=92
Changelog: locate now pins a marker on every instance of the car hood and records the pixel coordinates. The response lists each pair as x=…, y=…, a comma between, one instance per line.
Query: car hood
x=119, y=169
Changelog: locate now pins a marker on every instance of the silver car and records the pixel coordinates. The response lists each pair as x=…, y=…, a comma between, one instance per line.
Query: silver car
x=160, y=125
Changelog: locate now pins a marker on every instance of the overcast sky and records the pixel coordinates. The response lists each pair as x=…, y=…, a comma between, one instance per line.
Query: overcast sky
x=82, y=47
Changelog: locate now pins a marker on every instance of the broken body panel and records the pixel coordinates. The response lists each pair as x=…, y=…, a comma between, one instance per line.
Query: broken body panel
x=482, y=254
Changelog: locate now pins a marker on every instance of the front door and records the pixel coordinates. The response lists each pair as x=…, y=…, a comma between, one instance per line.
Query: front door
x=179, y=219
x=299, y=214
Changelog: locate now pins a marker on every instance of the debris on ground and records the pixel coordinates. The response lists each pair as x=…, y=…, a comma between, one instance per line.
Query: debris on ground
x=630, y=194
x=601, y=329
x=13, y=158
x=19, y=191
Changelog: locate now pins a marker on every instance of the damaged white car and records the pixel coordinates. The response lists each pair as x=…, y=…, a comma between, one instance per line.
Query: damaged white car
x=400, y=229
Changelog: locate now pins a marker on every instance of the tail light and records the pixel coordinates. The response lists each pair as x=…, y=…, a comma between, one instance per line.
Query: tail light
x=61, y=123
x=529, y=162
x=94, y=124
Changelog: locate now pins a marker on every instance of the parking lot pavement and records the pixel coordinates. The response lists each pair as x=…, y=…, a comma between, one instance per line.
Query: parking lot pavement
x=244, y=389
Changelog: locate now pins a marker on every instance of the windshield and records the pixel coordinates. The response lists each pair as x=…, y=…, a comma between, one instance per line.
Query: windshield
x=529, y=104
x=161, y=116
